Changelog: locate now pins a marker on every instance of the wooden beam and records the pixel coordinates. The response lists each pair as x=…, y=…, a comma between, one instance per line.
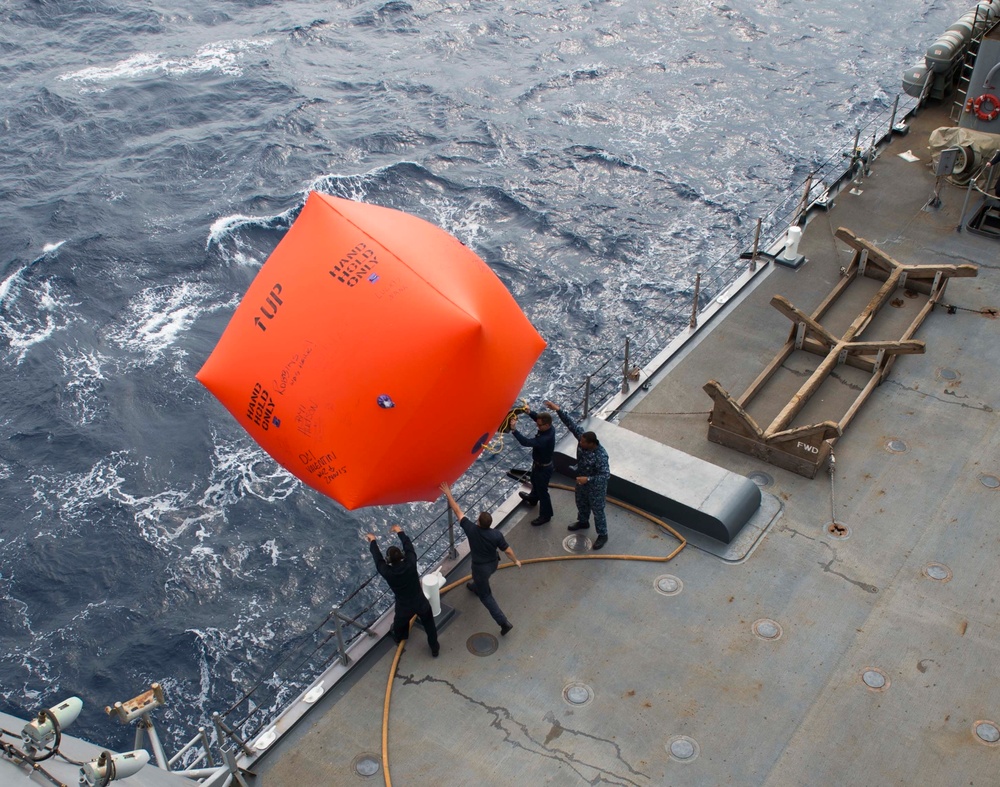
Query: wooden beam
x=754, y=388
x=796, y=315
x=901, y=347
x=728, y=414
x=801, y=397
x=951, y=271
x=824, y=430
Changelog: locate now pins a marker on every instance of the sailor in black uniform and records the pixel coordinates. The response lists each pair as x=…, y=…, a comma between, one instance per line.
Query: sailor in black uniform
x=484, y=542
x=400, y=571
x=542, y=445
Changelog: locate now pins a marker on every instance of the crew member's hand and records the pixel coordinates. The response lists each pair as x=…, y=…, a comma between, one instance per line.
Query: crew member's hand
x=582, y=479
x=395, y=529
x=445, y=487
x=552, y=405
x=369, y=537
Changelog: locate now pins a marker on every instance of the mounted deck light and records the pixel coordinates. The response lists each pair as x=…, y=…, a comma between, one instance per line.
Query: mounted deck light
x=46, y=728
x=111, y=767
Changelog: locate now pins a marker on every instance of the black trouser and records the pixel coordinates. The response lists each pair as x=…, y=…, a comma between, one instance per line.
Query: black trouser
x=540, y=477
x=481, y=573
x=401, y=622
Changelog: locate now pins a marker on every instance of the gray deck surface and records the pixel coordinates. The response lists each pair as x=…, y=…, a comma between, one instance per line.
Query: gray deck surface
x=789, y=711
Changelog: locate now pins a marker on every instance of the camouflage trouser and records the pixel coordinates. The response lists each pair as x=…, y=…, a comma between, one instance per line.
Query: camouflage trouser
x=590, y=497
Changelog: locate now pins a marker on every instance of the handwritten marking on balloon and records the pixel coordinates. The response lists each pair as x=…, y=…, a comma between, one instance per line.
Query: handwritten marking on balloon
x=288, y=375
x=305, y=418
x=323, y=466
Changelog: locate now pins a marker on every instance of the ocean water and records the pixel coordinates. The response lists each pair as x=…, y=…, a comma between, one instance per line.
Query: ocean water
x=597, y=155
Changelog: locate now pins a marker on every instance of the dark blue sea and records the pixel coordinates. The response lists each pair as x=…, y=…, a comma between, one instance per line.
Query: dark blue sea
x=597, y=155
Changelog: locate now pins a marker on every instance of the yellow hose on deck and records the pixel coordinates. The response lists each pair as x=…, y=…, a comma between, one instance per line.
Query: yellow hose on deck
x=467, y=577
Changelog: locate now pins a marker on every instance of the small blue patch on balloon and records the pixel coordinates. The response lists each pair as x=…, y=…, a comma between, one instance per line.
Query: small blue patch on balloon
x=373, y=278
x=480, y=443
x=276, y=421
x=385, y=402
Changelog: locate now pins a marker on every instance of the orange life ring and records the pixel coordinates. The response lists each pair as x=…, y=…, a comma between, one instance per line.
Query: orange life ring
x=968, y=104
x=993, y=113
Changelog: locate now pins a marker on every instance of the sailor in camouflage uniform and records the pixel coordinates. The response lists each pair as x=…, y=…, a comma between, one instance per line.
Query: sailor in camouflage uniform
x=592, y=474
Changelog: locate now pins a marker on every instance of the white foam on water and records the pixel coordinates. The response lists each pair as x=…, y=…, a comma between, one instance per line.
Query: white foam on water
x=224, y=227
x=67, y=502
x=224, y=57
x=10, y=287
x=36, y=659
x=465, y=221
x=225, y=230
x=159, y=315
x=30, y=316
x=83, y=373
x=270, y=547
x=225, y=234
x=48, y=248
x=353, y=187
x=73, y=494
x=240, y=468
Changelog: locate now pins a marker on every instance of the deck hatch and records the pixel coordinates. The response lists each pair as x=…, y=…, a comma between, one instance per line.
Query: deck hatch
x=576, y=544
x=768, y=629
x=482, y=644
x=875, y=679
x=366, y=765
x=681, y=748
x=937, y=571
x=987, y=732
x=668, y=585
x=578, y=694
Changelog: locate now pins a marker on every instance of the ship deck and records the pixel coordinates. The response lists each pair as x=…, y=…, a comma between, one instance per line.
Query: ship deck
x=606, y=680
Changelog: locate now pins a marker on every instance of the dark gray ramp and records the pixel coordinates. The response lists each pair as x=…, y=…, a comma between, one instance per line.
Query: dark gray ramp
x=669, y=483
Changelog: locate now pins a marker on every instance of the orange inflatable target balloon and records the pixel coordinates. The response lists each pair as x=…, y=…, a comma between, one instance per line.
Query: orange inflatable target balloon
x=373, y=356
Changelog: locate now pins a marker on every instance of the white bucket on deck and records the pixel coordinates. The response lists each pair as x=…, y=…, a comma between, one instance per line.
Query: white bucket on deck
x=432, y=584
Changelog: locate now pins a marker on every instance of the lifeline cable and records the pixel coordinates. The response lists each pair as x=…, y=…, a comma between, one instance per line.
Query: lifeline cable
x=463, y=580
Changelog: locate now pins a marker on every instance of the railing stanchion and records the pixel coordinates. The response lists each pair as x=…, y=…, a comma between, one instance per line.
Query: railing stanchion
x=756, y=246
x=800, y=211
x=224, y=731
x=625, y=368
x=340, y=637
x=965, y=205
x=452, y=552
x=694, y=305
